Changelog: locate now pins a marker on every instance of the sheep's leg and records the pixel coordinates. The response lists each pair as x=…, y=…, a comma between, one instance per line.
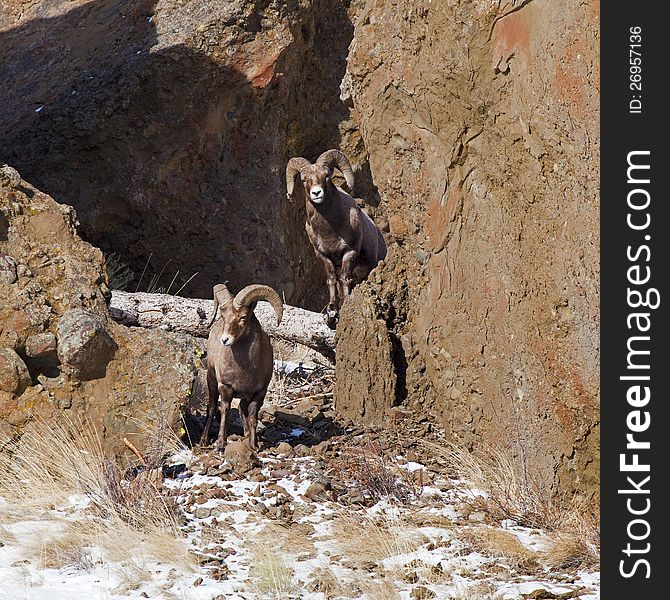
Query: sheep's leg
x=213, y=388
x=254, y=408
x=226, y=395
x=331, y=281
x=346, y=273
x=244, y=416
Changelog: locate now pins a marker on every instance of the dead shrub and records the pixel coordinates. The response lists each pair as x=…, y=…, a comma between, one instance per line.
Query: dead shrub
x=368, y=470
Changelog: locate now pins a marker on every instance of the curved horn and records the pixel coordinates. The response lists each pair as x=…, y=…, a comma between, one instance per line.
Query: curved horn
x=255, y=292
x=221, y=296
x=335, y=158
x=294, y=166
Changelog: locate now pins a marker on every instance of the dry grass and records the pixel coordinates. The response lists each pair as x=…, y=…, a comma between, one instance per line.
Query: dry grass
x=295, y=537
x=371, y=540
x=70, y=549
x=277, y=390
x=368, y=469
x=379, y=589
x=498, y=543
x=271, y=577
x=6, y=536
x=482, y=590
x=325, y=581
x=510, y=492
x=54, y=465
x=575, y=545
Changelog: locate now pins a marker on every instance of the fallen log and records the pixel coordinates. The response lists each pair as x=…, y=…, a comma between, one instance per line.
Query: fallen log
x=191, y=315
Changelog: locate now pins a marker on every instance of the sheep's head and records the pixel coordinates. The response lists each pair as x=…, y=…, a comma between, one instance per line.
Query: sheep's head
x=237, y=312
x=316, y=178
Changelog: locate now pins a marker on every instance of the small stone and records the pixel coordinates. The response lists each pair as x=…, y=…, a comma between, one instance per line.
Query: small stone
x=302, y=450
x=421, y=592
x=240, y=457
x=9, y=177
x=261, y=508
x=315, y=492
x=202, y=512
x=198, y=582
x=398, y=226
x=8, y=273
x=477, y=516
x=285, y=448
x=280, y=473
x=24, y=271
x=278, y=489
x=322, y=448
x=40, y=344
x=421, y=256
x=14, y=375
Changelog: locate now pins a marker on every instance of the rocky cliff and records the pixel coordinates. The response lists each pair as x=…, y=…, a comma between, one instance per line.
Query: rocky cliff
x=473, y=129
x=481, y=124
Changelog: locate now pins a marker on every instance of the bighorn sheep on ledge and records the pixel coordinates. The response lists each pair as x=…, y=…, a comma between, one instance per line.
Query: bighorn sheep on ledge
x=345, y=239
x=239, y=358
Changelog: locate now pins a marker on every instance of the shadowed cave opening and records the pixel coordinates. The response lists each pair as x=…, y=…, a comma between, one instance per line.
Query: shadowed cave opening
x=173, y=159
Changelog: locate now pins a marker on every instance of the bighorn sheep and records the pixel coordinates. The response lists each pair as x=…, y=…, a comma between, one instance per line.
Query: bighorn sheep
x=345, y=239
x=239, y=358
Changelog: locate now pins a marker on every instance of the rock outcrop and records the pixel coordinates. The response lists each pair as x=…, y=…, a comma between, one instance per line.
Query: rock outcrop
x=61, y=356
x=167, y=125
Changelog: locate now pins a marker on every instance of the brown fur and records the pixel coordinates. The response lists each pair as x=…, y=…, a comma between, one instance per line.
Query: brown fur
x=346, y=241
x=242, y=369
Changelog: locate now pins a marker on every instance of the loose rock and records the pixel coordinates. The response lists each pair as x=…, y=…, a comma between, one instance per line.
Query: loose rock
x=84, y=345
x=240, y=457
x=14, y=375
x=7, y=270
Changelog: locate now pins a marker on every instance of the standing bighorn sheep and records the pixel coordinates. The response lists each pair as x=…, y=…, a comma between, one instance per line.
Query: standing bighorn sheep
x=239, y=358
x=345, y=239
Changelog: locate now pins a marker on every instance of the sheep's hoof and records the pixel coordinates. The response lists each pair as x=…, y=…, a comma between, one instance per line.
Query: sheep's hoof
x=331, y=318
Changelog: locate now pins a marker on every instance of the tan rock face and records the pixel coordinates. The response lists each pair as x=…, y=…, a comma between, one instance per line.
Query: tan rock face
x=482, y=131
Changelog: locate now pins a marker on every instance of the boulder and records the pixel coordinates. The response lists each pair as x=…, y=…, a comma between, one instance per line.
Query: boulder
x=84, y=344
x=56, y=312
x=7, y=270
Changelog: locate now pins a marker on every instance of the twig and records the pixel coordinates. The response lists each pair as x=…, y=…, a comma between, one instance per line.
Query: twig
x=135, y=451
x=143, y=271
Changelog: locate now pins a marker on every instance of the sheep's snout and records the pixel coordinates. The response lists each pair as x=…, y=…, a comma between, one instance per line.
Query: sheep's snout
x=227, y=339
x=316, y=194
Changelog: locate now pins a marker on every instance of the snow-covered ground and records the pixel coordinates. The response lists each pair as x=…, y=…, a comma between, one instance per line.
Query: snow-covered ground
x=324, y=512
x=265, y=538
